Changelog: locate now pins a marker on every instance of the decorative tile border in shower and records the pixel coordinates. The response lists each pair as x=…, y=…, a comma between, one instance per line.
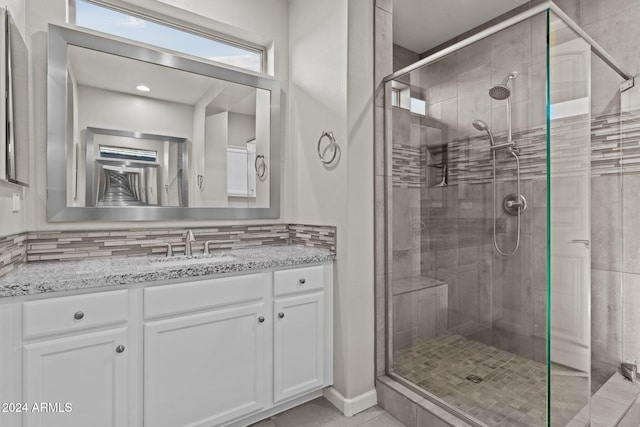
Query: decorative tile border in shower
x=407, y=165
x=77, y=245
x=13, y=252
x=469, y=160
x=615, y=140
x=316, y=236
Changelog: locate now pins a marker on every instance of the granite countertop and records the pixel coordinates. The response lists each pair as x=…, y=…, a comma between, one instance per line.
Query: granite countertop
x=46, y=277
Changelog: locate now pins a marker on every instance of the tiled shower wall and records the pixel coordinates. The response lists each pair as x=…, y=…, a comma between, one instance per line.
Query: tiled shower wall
x=614, y=26
x=445, y=232
x=470, y=166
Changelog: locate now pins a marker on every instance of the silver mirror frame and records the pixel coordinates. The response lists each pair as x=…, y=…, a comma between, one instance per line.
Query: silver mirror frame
x=60, y=37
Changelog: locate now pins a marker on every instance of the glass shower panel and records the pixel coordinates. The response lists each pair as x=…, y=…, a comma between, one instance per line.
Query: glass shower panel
x=569, y=148
x=606, y=222
x=468, y=285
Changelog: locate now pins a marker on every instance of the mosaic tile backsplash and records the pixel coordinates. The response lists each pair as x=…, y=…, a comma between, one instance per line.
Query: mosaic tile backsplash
x=13, y=252
x=77, y=245
x=315, y=236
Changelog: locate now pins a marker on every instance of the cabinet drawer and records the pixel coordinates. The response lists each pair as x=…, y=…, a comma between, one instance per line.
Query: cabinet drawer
x=298, y=280
x=65, y=314
x=201, y=295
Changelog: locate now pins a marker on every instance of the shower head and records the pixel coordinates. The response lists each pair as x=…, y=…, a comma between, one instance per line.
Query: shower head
x=502, y=91
x=483, y=126
x=480, y=125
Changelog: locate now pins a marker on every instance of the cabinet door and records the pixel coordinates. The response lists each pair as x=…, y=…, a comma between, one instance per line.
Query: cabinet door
x=87, y=371
x=204, y=369
x=298, y=345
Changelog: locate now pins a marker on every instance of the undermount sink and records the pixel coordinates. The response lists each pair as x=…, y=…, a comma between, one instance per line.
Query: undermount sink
x=184, y=260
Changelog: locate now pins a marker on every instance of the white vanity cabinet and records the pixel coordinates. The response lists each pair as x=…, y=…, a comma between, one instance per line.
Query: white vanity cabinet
x=223, y=350
x=86, y=372
x=206, y=365
x=298, y=332
x=75, y=363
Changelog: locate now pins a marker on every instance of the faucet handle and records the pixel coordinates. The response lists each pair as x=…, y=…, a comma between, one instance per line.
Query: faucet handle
x=169, y=249
x=206, y=245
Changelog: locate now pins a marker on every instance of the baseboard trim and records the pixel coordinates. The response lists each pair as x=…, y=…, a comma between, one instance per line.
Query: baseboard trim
x=350, y=407
x=275, y=410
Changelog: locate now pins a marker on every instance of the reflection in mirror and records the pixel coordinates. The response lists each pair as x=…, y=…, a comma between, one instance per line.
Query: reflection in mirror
x=147, y=134
x=136, y=120
x=133, y=169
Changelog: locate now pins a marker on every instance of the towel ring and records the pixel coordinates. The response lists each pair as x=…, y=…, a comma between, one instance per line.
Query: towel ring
x=332, y=144
x=261, y=169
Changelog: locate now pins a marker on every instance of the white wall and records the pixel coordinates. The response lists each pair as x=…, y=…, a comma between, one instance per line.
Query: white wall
x=264, y=22
x=215, y=155
x=331, y=73
x=263, y=132
x=114, y=110
x=330, y=45
x=11, y=223
x=242, y=128
x=360, y=189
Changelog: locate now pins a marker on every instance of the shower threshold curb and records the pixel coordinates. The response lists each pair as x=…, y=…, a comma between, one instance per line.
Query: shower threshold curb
x=413, y=409
x=616, y=403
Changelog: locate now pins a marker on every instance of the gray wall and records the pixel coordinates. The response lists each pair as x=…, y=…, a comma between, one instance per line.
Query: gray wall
x=615, y=197
x=445, y=233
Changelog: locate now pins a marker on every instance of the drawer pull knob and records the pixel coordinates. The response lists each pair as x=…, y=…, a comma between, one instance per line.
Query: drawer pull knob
x=261, y=319
x=120, y=349
x=302, y=281
x=281, y=315
x=78, y=315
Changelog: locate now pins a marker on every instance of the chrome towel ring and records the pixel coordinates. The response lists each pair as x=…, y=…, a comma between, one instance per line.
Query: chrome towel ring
x=332, y=145
x=261, y=166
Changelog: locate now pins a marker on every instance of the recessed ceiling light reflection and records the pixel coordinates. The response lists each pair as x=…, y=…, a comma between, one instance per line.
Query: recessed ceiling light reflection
x=143, y=88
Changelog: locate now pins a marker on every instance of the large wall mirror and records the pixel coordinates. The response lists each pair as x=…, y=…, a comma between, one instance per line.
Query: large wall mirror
x=138, y=133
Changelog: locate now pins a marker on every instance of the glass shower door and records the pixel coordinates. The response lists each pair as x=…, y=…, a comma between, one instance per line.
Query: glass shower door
x=569, y=196
x=468, y=288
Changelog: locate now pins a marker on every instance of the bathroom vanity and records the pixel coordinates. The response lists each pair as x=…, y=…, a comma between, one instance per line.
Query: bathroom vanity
x=210, y=340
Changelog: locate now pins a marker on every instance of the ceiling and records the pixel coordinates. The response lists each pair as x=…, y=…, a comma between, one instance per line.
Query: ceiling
x=120, y=74
x=421, y=25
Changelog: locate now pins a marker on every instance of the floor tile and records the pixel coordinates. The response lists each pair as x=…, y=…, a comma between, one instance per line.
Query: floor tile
x=320, y=413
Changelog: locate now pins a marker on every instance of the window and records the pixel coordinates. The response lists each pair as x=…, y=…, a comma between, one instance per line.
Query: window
x=401, y=97
x=128, y=153
x=106, y=20
x=395, y=97
x=418, y=106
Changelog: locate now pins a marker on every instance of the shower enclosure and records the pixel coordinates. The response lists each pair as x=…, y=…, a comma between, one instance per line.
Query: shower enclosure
x=489, y=152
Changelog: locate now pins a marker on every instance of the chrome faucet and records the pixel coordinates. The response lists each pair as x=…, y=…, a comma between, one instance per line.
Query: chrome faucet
x=189, y=239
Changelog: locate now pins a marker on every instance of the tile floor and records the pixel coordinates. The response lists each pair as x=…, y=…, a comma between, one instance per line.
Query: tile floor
x=512, y=389
x=321, y=413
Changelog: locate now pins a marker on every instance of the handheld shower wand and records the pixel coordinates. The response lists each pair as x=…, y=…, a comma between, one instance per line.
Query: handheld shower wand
x=514, y=204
